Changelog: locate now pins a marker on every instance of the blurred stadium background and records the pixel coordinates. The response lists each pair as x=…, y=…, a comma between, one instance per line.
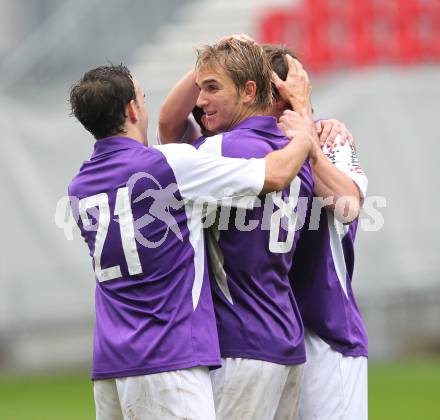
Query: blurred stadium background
x=375, y=65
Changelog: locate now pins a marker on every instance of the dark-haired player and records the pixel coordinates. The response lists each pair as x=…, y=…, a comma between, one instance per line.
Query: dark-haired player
x=335, y=375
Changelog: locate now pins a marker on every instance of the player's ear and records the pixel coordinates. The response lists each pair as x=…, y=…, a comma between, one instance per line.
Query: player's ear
x=132, y=111
x=249, y=92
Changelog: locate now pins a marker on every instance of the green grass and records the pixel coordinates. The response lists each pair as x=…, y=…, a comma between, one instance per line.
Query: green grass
x=405, y=390
x=67, y=397
x=397, y=391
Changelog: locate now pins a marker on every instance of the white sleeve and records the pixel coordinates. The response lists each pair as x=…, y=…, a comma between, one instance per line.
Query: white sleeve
x=203, y=175
x=213, y=146
x=345, y=159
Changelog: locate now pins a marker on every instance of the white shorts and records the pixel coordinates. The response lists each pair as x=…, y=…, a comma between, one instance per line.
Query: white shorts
x=247, y=389
x=335, y=387
x=181, y=394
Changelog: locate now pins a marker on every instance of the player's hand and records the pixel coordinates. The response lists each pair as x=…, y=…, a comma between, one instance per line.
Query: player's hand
x=291, y=120
x=328, y=130
x=294, y=124
x=296, y=89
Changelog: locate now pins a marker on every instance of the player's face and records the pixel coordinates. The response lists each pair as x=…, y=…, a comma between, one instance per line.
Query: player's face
x=219, y=99
x=142, y=111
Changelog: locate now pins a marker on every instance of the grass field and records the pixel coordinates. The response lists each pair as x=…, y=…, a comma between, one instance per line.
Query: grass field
x=398, y=391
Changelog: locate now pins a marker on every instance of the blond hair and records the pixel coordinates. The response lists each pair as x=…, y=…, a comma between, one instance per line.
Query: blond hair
x=242, y=62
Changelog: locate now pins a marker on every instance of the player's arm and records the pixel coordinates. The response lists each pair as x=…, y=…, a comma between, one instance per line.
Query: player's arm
x=174, y=112
x=331, y=183
x=283, y=165
x=203, y=175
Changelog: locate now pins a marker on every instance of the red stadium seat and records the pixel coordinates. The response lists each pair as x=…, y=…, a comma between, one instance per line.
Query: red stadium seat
x=335, y=33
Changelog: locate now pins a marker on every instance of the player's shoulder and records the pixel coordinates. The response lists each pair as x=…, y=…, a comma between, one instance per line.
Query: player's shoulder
x=203, y=141
x=146, y=159
x=183, y=157
x=246, y=144
x=340, y=153
x=172, y=151
x=83, y=175
x=344, y=157
x=72, y=188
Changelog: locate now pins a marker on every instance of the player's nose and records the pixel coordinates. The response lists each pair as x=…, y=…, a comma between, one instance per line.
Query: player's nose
x=202, y=100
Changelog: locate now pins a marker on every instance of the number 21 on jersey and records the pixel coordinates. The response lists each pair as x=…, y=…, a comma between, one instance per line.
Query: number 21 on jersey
x=126, y=228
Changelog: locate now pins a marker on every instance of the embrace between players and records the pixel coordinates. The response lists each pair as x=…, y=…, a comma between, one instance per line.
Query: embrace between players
x=250, y=316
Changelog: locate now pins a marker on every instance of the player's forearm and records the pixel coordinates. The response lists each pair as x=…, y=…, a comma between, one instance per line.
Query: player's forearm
x=283, y=165
x=331, y=182
x=173, y=114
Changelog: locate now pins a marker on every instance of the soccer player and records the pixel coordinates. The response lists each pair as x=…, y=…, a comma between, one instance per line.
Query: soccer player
x=138, y=211
x=260, y=332
x=335, y=375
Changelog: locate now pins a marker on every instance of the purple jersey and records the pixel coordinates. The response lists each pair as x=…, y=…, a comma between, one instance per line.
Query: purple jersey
x=251, y=255
x=136, y=209
x=323, y=270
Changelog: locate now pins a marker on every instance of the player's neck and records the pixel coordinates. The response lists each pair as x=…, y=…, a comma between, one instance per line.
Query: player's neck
x=135, y=134
x=251, y=112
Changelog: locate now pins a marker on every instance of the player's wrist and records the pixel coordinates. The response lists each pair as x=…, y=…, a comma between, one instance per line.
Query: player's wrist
x=297, y=105
x=304, y=139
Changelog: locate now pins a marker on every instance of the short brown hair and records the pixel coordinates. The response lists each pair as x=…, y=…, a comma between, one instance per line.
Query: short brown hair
x=99, y=99
x=243, y=62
